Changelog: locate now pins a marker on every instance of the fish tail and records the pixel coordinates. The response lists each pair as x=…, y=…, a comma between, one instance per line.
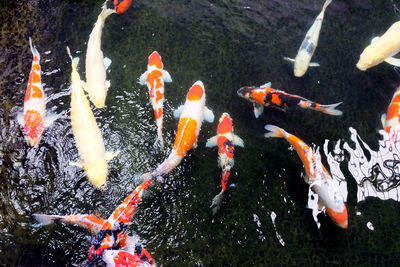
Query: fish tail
x=75, y=60
x=35, y=52
x=106, y=11
x=330, y=109
x=216, y=202
x=47, y=219
x=327, y=2
x=274, y=131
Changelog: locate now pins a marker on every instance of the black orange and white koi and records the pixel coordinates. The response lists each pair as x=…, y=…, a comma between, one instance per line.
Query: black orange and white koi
x=382, y=49
x=110, y=233
x=225, y=140
x=317, y=177
x=120, y=6
x=191, y=116
x=96, y=64
x=154, y=77
x=87, y=135
x=391, y=120
x=265, y=96
x=34, y=118
x=308, y=46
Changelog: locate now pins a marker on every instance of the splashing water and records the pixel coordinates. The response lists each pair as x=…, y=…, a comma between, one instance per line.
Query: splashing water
x=377, y=173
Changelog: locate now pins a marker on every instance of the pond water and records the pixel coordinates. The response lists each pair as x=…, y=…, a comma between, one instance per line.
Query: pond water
x=264, y=219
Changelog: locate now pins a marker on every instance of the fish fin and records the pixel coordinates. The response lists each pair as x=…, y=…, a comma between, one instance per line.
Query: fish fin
x=107, y=62
x=111, y=154
x=166, y=76
x=258, y=110
x=314, y=64
x=213, y=141
x=393, y=61
x=35, y=52
x=373, y=40
x=208, y=114
x=50, y=118
x=44, y=219
x=216, y=202
x=330, y=109
x=143, y=78
x=108, y=84
x=105, y=12
x=327, y=2
x=237, y=141
x=195, y=145
x=20, y=118
x=84, y=86
x=266, y=85
x=383, y=120
x=159, y=138
x=76, y=163
x=178, y=111
x=288, y=59
x=274, y=131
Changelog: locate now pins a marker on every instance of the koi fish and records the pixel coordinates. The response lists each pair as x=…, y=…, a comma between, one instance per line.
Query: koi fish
x=225, y=140
x=88, y=138
x=120, y=6
x=109, y=233
x=382, y=49
x=308, y=46
x=96, y=65
x=119, y=258
x=316, y=176
x=154, y=77
x=34, y=118
x=391, y=120
x=191, y=114
x=266, y=96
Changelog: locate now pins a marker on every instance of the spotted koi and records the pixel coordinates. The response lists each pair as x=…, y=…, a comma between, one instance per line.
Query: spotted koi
x=264, y=96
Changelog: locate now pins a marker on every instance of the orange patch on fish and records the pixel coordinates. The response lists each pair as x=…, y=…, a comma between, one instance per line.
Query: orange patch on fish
x=35, y=77
x=276, y=100
x=158, y=113
x=37, y=93
x=258, y=96
x=154, y=79
x=155, y=60
x=225, y=126
x=186, y=136
x=195, y=93
x=33, y=124
x=36, y=67
x=338, y=217
x=121, y=6
x=159, y=96
x=393, y=111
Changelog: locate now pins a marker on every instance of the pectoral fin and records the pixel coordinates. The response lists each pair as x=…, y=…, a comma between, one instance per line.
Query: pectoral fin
x=106, y=62
x=76, y=163
x=108, y=84
x=20, y=118
x=84, y=86
x=143, y=78
x=393, y=61
x=167, y=78
x=374, y=39
x=258, y=110
x=213, y=141
x=267, y=85
x=208, y=115
x=111, y=154
x=383, y=120
x=178, y=112
x=288, y=59
x=314, y=64
x=50, y=118
x=320, y=204
x=237, y=141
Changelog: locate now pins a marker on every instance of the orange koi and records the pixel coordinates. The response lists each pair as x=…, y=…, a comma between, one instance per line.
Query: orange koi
x=33, y=118
x=266, y=96
x=225, y=140
x=191, y=116
x=120, y=6
x=317, y=176
x=391, y=120
x=154, y=77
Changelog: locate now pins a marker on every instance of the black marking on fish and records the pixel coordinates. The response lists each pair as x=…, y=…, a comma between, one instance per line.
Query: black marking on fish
x=308, y=46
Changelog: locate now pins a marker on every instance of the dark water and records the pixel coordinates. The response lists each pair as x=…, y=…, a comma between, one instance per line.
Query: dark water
x=227, y=45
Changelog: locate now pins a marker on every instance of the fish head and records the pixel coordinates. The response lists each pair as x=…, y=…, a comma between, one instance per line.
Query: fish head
x=339, y=218
x=301, y=66
x=196, y=92
x=98, y=100
x=246, y=92
x=120, y=6
x=225, y=124
x=97, y=172
x=33, y=127
x=369, y=58
x=155, y=60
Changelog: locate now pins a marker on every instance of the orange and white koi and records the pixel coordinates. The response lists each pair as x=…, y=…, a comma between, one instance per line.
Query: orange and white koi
x=308, y=46
x=391, y=120
x=267, y=96
x=120, y=6
x=191, y=114
x=154, y=77
x=88, y=138
x=110, y=233
x=316, y=176
x=225, y=140
x=96, y=64
x=382, y=49
x=34, y=118
x=121, y=258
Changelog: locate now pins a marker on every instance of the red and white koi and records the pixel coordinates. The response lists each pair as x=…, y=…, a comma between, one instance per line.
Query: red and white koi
x=154, y=77
x=317, y=177
x=191, y=116
x=120, y=6
x=265, y=96
x=96, y=64
x=34, y=118
x=225, y=140
x=391, y=120
x=110, y=233
x=121, y=258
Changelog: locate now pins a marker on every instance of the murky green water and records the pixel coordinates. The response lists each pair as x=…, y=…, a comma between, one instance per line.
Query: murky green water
x=227, y=45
